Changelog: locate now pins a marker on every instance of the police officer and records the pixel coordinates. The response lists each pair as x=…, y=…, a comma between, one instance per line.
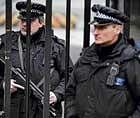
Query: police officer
x=105, y=82
x=37, y=48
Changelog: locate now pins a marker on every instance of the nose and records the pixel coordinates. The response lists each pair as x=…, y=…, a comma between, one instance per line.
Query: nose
x=23, y=22
x=95, y=31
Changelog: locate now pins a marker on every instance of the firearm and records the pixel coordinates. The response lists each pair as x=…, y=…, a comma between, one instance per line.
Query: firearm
x=37, y=92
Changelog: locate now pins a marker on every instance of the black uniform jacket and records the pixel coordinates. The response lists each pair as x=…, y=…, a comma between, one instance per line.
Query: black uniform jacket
x=93, y=93
x=37, y=68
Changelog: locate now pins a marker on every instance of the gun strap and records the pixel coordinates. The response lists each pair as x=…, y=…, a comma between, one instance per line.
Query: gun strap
x=20, y=52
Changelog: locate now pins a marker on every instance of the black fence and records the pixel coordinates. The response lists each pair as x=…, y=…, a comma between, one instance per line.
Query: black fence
x=48, y=35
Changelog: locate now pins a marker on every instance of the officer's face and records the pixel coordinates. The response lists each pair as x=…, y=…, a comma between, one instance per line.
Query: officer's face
x=35, y=25
x=106, y=34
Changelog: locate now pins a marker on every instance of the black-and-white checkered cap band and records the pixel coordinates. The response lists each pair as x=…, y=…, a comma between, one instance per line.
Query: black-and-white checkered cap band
x=32, y=11
x=106, y=17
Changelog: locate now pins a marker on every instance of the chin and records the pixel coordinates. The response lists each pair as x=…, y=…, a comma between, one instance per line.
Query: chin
x=24, y=33
x=99, y=43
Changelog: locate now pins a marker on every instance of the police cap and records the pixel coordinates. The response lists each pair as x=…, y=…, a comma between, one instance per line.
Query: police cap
x=37, y=9
x=105, y=15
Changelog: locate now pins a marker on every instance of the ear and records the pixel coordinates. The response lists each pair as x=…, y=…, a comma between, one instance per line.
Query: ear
x=119, y=29
x=41, y=24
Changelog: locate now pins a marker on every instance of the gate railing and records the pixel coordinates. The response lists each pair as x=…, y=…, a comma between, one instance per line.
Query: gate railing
x=48, y=36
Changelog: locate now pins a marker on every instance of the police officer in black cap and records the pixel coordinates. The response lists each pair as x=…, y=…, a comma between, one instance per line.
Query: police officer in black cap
x=105, y=82
x=37, y=48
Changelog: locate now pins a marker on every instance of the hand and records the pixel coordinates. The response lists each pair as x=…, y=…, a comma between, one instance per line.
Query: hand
x=53, y=98
x=13, y=86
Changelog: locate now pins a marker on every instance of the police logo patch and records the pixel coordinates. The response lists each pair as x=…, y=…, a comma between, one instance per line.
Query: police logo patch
x=119, y=81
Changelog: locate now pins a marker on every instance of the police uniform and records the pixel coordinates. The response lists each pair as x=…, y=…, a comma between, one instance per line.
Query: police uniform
x=37, y=53
x=105, y=82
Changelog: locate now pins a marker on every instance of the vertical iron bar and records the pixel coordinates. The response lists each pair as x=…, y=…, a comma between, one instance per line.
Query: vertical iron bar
x=68, y=17
x=127, y=10
x=48, y=37
x=107, y=3
x=86, y=25
x=114, y=4
x=68, y=20
x=28, y=21
x=7, y=72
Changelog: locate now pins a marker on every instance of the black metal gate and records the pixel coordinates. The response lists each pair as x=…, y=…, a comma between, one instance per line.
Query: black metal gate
x=48, y=35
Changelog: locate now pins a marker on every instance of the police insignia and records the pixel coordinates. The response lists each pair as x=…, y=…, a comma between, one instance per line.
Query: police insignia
x=112, y=74
x=119, y=81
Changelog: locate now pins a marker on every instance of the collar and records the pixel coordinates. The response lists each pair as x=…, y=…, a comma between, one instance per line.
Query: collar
x=112, y=50
x=35, y=38
x=97, y=54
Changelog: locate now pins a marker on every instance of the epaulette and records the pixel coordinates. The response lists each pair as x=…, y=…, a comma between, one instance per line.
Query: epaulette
x=84, y=51
x=13, y=34
x=2, y=36
x=2, y=39
x=58, y=40
x=130, y=53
